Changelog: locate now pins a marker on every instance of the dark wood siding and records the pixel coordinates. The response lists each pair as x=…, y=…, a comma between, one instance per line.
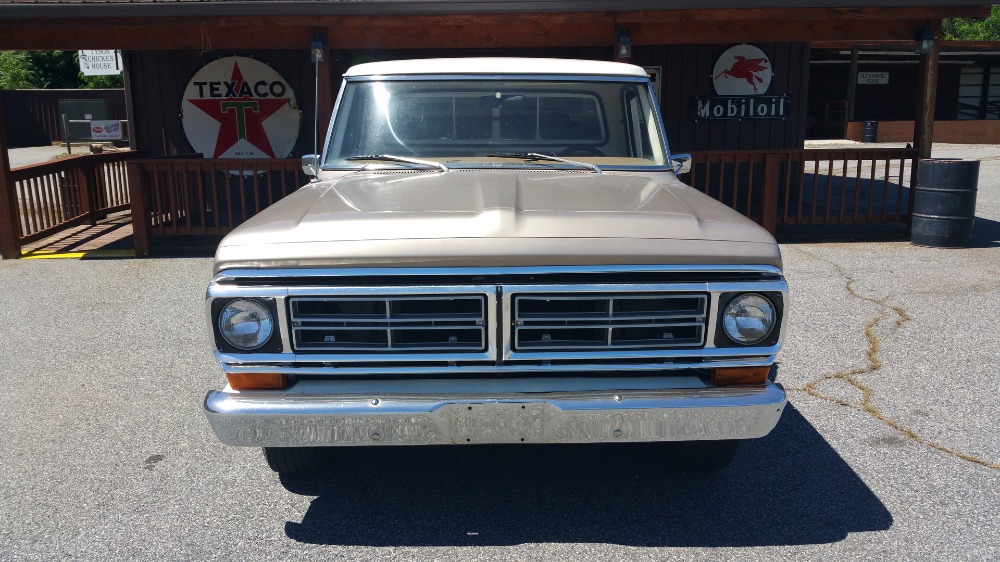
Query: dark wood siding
x=160, y=77
x=32, y=116
x=895, y=101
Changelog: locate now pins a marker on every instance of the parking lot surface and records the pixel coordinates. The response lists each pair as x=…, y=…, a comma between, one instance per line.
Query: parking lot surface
x=889, y=449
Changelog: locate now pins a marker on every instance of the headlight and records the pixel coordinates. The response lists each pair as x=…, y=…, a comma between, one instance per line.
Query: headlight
x=245, y=324
x=748, y=318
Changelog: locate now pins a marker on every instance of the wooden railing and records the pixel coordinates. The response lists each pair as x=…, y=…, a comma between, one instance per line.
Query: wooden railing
x=809, y=186
x=193, y=196
x=58, y=195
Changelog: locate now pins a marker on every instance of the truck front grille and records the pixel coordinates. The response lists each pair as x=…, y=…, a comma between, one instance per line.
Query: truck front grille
x=595, y=322
x=401, y=324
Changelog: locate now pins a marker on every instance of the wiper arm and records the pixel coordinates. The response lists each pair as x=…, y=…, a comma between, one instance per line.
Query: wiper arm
x=538, y=156
x=404, y=159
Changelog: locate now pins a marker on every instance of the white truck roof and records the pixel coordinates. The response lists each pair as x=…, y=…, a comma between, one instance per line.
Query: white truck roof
x=559, y=67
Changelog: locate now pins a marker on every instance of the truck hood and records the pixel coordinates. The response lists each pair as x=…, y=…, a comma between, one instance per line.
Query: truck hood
x=502, y=217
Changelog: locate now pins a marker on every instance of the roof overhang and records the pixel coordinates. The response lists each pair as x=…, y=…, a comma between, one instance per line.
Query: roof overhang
x=452, y=24
x=211, y=8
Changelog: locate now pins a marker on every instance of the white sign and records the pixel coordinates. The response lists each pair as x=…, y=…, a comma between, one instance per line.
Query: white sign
x=106, y=130
x=100, y=63
x=873, y=78
x=742, y=70
x=238, y=107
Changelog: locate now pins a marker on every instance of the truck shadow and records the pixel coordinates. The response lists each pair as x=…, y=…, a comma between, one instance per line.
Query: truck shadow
x=789, y=488
x=985, y=233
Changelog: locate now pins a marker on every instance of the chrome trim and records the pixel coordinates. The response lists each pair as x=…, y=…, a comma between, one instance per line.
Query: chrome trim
x=662, y=130
x=329, y=130
x=712, y=288
x=500, y=332
x=609, y=321
x=468, y=412
x=285, y=326
x=496, y=77
x=608, y=343
x=713, y=320
x=223, y=291
x=391, y=324
x=388, y=290
x=484, y=364
x=230, y=275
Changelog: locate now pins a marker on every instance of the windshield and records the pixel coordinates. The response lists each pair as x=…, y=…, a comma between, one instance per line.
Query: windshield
x=481, y=123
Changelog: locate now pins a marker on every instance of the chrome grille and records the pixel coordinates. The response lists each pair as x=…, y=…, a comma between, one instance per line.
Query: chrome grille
x=400, y=323
x=581, y=322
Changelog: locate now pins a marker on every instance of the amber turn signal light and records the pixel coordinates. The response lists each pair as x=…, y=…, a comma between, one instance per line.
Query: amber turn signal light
x=257, y=381
x=724, y=376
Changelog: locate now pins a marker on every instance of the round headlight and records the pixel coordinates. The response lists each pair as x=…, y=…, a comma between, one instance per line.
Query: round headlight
x=245, y=324
x=748, y=318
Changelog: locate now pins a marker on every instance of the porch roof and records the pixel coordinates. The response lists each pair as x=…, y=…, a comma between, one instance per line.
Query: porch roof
x=202, y=8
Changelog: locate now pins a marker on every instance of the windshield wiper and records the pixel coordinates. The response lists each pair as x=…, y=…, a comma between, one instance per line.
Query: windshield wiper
x=537, y=156
x=404, y=159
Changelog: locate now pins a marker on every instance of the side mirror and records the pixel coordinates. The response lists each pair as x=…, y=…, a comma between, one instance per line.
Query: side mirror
x=680, y=163
x=310, y=165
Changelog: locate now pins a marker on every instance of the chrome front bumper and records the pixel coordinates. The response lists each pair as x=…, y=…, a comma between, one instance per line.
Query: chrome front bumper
x=412, y=413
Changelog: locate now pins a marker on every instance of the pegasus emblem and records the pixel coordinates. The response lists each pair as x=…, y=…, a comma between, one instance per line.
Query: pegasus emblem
x=745, y=69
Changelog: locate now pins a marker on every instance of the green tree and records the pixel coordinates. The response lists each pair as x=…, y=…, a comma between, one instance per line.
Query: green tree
x=48, y=69
x=14, y=72
x=966, y=29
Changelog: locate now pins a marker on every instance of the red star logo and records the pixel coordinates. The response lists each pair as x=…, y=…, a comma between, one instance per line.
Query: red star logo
x=241, y=118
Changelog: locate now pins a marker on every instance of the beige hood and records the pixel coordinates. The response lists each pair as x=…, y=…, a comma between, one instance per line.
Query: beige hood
x=495, y=218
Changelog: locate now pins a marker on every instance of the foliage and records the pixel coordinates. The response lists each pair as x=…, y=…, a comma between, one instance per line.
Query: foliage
x=964, y=29
x=48, y=70
x=14, y=73
x=108, y=81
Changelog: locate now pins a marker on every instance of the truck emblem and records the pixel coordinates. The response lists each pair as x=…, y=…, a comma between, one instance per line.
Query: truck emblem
x=329, y=339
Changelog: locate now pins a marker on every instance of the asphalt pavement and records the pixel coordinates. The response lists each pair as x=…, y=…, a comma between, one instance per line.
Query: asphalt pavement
x=889, y=449
x=38, y=154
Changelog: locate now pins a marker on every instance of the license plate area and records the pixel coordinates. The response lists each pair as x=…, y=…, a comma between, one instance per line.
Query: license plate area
x=503, y=422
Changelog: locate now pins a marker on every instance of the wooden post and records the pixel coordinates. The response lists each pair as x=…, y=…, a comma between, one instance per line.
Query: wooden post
x=923, y=130
x=129, y=104
x=10, y=237
x=852, y=84
x=325, y=93
x=769, y=199
x=87, y=186
x=140, y=209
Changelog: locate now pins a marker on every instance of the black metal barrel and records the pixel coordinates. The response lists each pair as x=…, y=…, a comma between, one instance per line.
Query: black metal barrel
x=944, y=204
x=870, y=131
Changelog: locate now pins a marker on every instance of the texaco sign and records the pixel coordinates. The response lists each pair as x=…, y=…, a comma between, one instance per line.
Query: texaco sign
x=238, y=107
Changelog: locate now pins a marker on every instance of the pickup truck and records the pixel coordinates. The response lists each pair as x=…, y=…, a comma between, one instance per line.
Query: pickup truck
x=496, y=251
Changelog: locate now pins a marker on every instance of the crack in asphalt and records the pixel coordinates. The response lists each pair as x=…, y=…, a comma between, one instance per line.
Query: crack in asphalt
x=874, y=361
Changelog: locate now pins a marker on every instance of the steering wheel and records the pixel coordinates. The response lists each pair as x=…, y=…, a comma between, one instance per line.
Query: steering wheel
x=591, y=150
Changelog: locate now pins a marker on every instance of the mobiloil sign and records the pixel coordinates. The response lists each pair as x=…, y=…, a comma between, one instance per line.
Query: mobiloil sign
x=742, y=77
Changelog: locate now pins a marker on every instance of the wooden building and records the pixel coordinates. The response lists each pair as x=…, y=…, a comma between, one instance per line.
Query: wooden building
x=967, y=109
x=757, y=164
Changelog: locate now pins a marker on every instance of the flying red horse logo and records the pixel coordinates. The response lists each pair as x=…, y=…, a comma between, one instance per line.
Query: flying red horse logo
x=746, y=69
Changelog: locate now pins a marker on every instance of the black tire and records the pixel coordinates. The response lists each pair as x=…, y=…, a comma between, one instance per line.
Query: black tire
x=703, y=456
x=295, y=461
